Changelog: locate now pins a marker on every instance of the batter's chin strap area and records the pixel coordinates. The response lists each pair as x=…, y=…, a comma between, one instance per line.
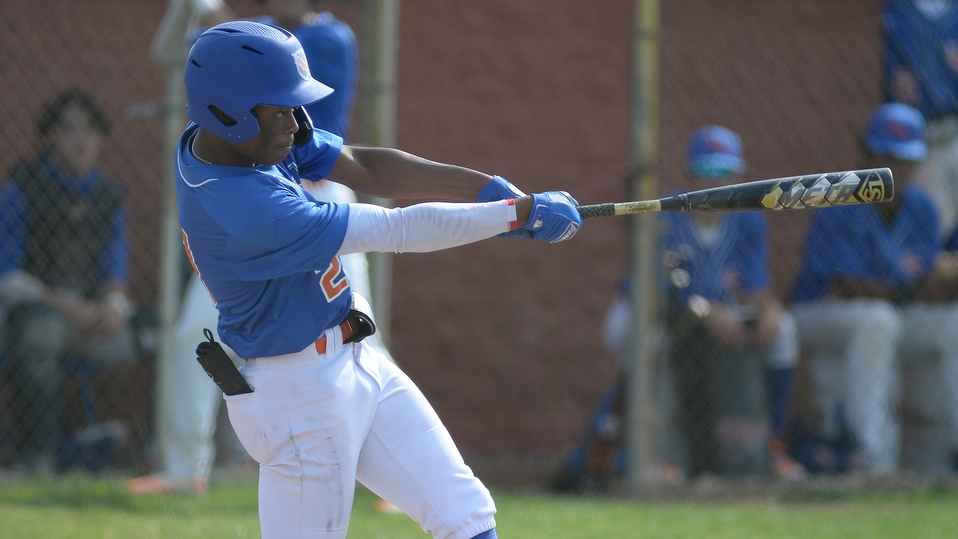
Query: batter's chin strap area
x=220, y=367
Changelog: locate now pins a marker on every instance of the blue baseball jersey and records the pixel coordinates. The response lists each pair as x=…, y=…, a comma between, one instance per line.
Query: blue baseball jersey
x=264, y=248
x=855, y=242
x=928, y=47
x=332, y=54
x=14, y=215
x=736, y=263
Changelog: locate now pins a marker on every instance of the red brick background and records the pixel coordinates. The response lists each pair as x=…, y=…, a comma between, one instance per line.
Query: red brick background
x=503, y=336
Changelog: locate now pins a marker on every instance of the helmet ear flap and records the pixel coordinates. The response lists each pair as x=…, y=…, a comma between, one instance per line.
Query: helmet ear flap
x=305, y=133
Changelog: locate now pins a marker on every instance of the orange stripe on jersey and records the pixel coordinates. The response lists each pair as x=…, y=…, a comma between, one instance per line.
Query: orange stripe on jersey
x=196, y=270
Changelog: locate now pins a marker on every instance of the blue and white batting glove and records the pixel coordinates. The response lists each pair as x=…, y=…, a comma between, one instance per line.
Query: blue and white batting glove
x=553, y=217
x=500, y=189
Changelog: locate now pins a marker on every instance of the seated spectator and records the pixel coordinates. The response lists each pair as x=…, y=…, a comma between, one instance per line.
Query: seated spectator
x=865, y=297
x=63, y=273
x=732, y=347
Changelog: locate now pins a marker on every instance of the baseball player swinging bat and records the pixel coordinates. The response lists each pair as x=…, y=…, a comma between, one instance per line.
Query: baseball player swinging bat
x=865, y=186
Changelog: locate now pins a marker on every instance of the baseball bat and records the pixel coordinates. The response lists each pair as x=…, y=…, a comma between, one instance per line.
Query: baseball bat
x=866, y=186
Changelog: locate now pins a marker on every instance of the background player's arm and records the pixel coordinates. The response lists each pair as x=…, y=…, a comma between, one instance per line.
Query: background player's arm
x=103, y=317
x=390, y=173
x=850, y=287
x=769, y=311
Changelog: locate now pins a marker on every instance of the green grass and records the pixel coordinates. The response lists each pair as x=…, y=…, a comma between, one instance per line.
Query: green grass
x=80, y=507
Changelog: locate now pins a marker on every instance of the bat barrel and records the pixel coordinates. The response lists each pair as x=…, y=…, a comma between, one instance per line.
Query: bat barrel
x=866, y=186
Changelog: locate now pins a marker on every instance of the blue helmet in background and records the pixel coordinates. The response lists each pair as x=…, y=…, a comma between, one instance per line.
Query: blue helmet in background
x=715, y=152
x=897, y=130
x=237, y=65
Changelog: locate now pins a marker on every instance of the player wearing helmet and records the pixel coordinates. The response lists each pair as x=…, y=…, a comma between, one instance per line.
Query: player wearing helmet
x=325, y=410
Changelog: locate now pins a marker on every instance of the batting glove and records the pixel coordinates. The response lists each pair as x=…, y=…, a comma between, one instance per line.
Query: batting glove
x=500, y=189
x=554, y=217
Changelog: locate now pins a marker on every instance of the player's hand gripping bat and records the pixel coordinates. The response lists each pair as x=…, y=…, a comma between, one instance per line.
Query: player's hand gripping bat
x=794, y=192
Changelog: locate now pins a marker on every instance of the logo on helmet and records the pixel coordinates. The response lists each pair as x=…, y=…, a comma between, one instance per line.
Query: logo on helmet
x=301, y=65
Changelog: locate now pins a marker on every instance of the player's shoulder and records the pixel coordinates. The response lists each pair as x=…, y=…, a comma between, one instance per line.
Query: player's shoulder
x=917, y=194
x=326, y=24
x=748, y=218
x=919, y=200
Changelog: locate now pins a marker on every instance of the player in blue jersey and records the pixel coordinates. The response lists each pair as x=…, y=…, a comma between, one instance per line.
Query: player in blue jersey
x=325, y=410
x=920, y=40
x=733, y=346
x=63, y=272
x=189, y=404
x=856, y=297
x=330, y=47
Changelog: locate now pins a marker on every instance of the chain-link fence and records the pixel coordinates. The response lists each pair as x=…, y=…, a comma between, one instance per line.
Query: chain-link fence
x=81, y=221
x=79, y=210
x=538, y=92
x=786, y=343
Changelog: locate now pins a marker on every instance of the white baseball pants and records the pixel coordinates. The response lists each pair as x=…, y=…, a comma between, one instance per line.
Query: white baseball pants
x=870, y=337
x=318, y=423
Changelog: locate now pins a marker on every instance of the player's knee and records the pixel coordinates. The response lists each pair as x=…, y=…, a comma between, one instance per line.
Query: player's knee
x=784, y=352
x=36, y=331
x=882, y=319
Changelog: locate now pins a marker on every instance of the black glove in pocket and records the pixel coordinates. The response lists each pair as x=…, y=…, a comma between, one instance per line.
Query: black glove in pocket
x=220, y=367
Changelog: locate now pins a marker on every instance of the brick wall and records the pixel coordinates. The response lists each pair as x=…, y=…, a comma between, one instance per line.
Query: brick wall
x=503, y=336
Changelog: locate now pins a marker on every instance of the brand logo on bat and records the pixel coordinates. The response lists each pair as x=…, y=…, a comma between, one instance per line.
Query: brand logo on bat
x=800, y=195
x=872, y=189
x=849, y=189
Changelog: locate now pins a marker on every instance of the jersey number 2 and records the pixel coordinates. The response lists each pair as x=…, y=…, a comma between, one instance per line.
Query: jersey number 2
x=333, y=280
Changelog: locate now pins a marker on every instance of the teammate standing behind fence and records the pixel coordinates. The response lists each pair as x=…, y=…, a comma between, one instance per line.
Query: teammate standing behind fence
x=855, y=296
x=325, y=409
x=63, y=271
x=920, y=39
x=732, y=346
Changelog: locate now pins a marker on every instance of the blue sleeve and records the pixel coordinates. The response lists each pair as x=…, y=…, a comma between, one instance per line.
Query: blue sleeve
x=830, y=249
x=331, y=51
x=892, y=61
x=925, y=240
x=118, y=250
x=314, y=161
x=275, y=231
x=754, y=238
x=13, y=214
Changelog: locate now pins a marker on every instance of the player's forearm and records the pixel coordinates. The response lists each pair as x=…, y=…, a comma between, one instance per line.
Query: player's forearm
x=427, y=227
x=848, y=288
x=390, y=173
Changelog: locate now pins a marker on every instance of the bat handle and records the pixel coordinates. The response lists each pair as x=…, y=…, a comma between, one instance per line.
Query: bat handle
x=596, y=210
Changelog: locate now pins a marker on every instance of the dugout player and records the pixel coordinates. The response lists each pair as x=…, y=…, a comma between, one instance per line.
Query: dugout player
x=733, y=346
x=64, y=265
x=856, y=295
x=325, y=409
x=920, y=40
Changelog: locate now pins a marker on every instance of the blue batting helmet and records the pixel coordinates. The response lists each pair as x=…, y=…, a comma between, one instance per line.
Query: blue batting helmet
x=897, y=130
x=715, y=152
x=237, y=65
